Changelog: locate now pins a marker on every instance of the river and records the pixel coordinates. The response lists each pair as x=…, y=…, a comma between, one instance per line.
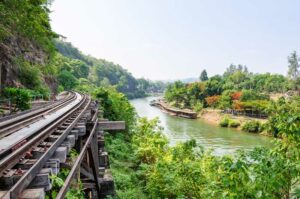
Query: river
x=221, y=140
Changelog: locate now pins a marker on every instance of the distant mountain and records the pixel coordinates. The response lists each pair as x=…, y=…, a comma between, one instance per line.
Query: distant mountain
x=190, y=80
x=185, y=80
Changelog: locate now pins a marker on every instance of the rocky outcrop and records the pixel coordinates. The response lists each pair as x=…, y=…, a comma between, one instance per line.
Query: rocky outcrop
x=14, y=48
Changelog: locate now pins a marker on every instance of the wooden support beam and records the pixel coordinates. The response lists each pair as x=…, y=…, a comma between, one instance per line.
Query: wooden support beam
x=86, y=148
x=111, y=125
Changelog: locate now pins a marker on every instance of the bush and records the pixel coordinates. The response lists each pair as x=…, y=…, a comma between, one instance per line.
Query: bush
x=234, y=124
x=252, y=126
x=40, y=92
x=213, y=101
x=224, y=122
x=19, y=97
x=198, y=107
x=227, y=122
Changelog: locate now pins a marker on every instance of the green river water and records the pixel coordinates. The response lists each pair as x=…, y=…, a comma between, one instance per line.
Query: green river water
x=221, y=140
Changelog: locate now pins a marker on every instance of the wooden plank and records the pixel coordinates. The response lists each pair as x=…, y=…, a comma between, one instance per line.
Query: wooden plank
x=111, y=125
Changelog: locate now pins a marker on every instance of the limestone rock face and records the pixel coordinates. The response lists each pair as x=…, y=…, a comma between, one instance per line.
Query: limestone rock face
x=17, y=47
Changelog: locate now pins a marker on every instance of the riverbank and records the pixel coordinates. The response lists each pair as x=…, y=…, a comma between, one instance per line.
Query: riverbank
x=211, y=116
x=215, y=116
x=185, y=113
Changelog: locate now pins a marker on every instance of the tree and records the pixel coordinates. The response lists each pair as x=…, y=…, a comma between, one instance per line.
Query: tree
x=203, y=76
x=293, y=72
x=67, y=80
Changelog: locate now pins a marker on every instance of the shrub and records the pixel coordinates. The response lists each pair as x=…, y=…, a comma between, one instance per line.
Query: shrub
x=198, y=107
x=236, y=95
x=40, y=92
x=213, y=100
x=224, y=122
x=19, y=97
x=227, y=122
x=234, y=124
x=252, y=126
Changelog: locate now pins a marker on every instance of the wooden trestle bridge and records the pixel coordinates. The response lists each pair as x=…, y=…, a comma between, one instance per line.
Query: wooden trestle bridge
x=34, y=145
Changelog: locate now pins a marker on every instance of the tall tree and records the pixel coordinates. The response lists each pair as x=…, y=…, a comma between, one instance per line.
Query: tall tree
x=294, y=67
x=203, y=76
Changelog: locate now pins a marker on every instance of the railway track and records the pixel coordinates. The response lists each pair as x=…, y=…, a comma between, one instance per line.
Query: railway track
x=29, y=141
x=20, y=120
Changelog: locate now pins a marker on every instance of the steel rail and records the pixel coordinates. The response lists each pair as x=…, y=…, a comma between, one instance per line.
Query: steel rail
x=8, y=162
x=19, y=116
x=63, y=191
x=29, y=111
x=26, y=179
x=9, y=126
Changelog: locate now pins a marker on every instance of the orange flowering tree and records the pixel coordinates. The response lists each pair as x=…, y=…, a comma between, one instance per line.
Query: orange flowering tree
x=213, y=100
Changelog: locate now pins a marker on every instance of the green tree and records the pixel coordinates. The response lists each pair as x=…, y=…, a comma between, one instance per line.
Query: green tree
x=214, y=86
x=294, y=67
x=115, y=105
x=67, y=80
x=203, y=76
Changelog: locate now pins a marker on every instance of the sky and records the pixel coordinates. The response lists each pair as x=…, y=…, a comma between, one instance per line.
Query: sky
x=176, y=39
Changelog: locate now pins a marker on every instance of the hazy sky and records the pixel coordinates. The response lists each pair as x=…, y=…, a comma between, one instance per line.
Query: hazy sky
x=170, y=39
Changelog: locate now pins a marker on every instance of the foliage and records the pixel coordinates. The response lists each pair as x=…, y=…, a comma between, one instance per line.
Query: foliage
x=27, y=18
x=228, y=122
x=225, y=101
x=198, y=106
x=146, y=166
x=234, y=124
x=294, y=66
x=236, y=95
x=68, y=50
x=250, y=95
x=213, y=100
x=252, y=126
x=224, y=122
x=102, y=73
x=73, y=154
x=176, y=92
x=28, y=74
x=156, y=170
x=115, y=105
x=284, y=117
x=85, y=86
x=237, y=89
x=19, y=97
x=203, y=76
x=214, y=86
x=67, y=80
x=75, y=191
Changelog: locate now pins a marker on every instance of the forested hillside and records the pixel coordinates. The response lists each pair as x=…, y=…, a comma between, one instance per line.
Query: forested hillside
x=33, y=57
x=101, y=72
